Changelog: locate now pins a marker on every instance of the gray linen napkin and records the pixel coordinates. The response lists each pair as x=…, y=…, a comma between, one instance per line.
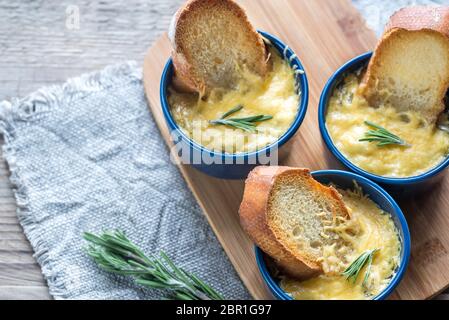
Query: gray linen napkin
x=87, y=156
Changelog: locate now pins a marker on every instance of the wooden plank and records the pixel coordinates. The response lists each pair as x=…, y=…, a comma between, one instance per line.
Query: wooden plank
x=324, y=34
x=24, y=293
x=15, y=274
x=37, y=49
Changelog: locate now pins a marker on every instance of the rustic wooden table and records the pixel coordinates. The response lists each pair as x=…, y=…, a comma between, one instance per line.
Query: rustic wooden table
x=41, y=44
x=46, y=42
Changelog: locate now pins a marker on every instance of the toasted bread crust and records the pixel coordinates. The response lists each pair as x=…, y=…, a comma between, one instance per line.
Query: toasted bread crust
x=254, y=219
x=419, y=18
x=426, y=19
x=185, y=77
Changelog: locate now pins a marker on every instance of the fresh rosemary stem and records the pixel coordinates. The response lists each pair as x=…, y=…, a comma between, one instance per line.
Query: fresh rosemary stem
x=382, y=136
x=352, y=272
x=247, y=124
x=232, y=111
x=113, y=252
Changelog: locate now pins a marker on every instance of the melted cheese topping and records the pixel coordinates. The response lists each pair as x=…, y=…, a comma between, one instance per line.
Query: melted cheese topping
x=369, y=228
x=273, y=95
x=345, y=122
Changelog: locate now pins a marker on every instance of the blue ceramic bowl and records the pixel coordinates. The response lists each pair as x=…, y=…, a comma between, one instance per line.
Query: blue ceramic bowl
x=345, y=180
x=397, y=186
x=233, y=166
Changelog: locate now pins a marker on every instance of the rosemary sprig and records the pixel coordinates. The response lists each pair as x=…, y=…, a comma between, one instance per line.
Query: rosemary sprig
x=113, y=252
x=352, y=272
x=247, y=124
x=232, y=111
x=382, y=136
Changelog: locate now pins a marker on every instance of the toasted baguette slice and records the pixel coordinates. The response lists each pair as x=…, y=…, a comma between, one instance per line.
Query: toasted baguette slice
x=286, y=212
x=410, y=66
x=211, y=40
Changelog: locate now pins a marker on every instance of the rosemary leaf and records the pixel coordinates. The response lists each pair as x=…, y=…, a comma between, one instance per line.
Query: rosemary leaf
x=247, y=124
x=264, y=118
x=236, y=124
x=352, y=272
x=382, y=136
x=232, y=111
x=113, y=252
x=258, y=118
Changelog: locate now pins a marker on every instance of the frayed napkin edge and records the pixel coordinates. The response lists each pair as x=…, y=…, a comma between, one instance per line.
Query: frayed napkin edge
x=27, y=109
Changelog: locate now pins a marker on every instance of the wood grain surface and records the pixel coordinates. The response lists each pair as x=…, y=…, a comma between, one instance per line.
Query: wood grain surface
x=324, y=34
x=38, y=49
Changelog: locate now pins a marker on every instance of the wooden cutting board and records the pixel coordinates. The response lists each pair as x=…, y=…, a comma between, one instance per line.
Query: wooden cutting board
x=324, y=34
